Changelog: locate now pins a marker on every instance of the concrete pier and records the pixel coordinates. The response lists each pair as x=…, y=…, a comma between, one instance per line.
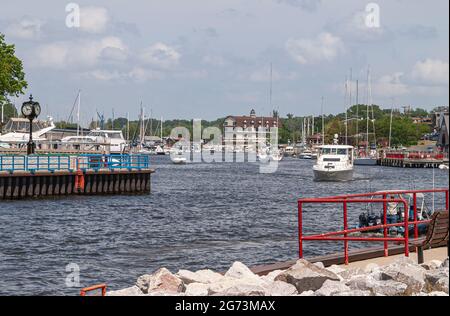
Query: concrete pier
x=24, y=185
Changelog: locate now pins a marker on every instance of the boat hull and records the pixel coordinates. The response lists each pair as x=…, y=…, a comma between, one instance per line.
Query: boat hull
x=333, y=176
x=365, y=162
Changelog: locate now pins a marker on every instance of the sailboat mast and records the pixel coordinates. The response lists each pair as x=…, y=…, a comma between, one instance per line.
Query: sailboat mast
x=323, y=123
x=78, y=113
x=367, y=110
x=390, y=124
x=357, y=113
x=346, y=111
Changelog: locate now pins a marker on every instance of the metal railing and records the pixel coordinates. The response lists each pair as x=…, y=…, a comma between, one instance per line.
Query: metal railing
x=53, y=163
x=376, y=197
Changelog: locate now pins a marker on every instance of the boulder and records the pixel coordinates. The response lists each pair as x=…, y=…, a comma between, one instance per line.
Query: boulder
x=131, y=291
x=224, y=286
x=278, y=288
x=307, y=293
x=240, y=271
x=376, y=287
x=412, y=275
x=353, y=293
x=371, y=267
x=162, y=280
x=433, y=280
x=445, y=263
x=319, y=264
x=242, y=289
x=271, y=276
x=336, y=269
x=202, y=276
x=306, y=276
x=438, y=294
x=431, y=265
x=332, y=287
x=197, y=289
x=350, y=273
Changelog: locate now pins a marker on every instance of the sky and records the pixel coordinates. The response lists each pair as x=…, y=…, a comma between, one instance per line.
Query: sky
x=211, y=58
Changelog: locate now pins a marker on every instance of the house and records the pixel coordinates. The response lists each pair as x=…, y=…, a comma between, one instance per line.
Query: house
x=240, y=130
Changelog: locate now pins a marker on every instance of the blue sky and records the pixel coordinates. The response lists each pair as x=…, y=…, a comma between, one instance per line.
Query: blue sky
x=211, y=58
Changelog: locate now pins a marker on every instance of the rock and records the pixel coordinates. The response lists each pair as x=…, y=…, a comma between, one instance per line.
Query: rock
x=437, y=280
x=307, y=293
x=228, y=282
x=279, y=288
x=271, y=276
x=131, y=291
x=202, y=276
x=371, y=267
x=306, y=276
x=319, y=265
x=240, y=271
x=243, y=290
x=336, y=269
x=350, y=273
x=165, y=293
x=431, y=265
x=445, y=263
x=331, y=287
x=353, y=293
x=389, y=288
x=376, y=287
x=197, y=289
x=162, y=280
x=438, y=294
x=405, y=272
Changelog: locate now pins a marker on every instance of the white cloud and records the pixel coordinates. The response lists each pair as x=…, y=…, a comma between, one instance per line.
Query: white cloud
x=432, y=71
x=136, y=74
x=390, y=86
x=94, y=19
x=326, y=47
x=85, y=53
x=160, y=55
x=26, y=28
x=216, y=61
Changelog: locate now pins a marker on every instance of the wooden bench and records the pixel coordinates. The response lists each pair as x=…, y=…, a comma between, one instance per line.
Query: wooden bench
x=437, y=234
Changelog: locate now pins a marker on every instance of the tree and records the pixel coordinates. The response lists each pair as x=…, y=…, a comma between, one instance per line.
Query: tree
x=12, y=76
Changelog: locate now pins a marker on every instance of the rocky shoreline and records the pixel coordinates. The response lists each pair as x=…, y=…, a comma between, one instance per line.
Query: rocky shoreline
x=403, y=277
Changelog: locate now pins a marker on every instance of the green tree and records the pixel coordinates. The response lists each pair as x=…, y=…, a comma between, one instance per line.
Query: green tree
x=12, y=76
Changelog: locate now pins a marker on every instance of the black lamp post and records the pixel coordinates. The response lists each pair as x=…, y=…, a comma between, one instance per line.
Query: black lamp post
x=31, y=110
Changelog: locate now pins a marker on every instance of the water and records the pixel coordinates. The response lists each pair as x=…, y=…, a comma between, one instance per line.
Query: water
x=198, y=216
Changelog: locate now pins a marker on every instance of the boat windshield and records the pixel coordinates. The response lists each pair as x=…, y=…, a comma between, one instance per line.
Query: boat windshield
x=117, y=135
x=334, y=151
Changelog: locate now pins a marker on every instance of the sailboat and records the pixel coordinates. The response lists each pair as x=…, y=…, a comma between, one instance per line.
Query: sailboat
x=368, y=157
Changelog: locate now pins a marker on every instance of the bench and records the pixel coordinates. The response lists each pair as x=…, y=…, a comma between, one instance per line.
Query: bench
x=437, y=235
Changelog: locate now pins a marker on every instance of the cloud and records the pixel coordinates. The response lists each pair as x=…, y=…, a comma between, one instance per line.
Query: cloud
x=160, y=55
x=432, y=71
x=94, y=19
x=326, y=47
x=308, y=5
x=390, y=86
x=216, y=61
x=81, y=53
x=25, y=28
x=136, y=74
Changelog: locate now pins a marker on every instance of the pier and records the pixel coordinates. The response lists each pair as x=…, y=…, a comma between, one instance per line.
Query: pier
x=412, y=160
x=23, y=177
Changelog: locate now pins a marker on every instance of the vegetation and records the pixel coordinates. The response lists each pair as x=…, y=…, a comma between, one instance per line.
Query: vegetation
x=12, y=77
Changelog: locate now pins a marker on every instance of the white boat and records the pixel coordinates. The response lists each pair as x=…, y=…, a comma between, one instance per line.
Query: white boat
x=334, y=163
x=443, y=167
x=17, y=131
x=115, y=140
x=306, y=154
x=178, y=156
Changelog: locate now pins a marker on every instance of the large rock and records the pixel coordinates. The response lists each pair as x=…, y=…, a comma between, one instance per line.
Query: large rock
x=240, y=271
x=307, y=293
x=404, y=271
x=354, y=293
x=306, y=276
x=131, y=291
x=160, y=281
x=431, y=265
x=376, y=287
x=278, y=288
x=271, y=276
x=437, y=280
x=332, y=287
x=224, y=286
x=445, y=263
x=202, y=276
x=197, y=289
x=347, y=274
x=242, y=289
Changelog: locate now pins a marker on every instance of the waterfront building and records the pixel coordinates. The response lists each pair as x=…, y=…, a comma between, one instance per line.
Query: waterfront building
x=443, y=132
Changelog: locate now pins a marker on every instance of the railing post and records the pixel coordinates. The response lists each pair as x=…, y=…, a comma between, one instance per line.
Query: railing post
x=385, y=230
x=416, y=227
x=345, y=235
x=300, y=229
x=446, y=199
x=406, y=229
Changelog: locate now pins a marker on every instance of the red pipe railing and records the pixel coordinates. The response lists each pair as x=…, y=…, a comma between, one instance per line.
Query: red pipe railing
x=101, y=287
x=368, y=198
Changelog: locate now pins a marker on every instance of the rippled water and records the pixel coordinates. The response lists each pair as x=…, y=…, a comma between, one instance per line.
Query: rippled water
x=198, y=216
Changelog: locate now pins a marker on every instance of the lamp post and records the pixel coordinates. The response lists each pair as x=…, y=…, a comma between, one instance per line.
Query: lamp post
x=31, y=110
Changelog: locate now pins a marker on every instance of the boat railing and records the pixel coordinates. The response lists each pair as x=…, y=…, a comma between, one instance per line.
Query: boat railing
x=367, y=198
x=60, y=162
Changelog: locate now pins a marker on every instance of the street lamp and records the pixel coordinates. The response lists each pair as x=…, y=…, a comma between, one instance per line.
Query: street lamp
x=31, y=110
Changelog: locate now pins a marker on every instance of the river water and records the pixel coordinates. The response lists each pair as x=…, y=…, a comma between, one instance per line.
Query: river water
x=197, y=216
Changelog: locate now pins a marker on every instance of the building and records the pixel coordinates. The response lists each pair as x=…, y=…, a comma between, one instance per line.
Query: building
x=443, y=132
x=240, y=131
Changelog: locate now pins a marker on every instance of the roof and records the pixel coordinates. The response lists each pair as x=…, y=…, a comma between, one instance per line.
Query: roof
x=247, y=120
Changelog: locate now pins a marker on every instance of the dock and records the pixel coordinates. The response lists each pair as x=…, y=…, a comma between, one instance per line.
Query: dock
x=25, y=177
x=406, y=159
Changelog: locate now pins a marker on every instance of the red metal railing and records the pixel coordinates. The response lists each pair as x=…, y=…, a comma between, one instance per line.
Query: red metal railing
x=101, y=287
x=375, y=197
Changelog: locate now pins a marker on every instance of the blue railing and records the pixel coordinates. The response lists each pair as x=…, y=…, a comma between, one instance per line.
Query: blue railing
x=53, y=163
